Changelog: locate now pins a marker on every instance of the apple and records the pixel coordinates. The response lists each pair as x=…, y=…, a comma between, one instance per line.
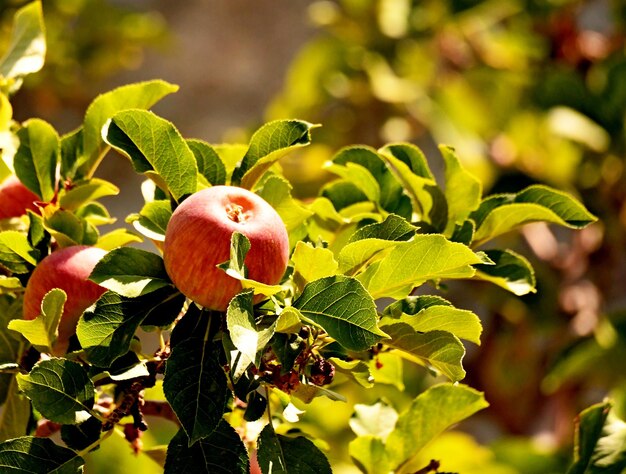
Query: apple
x=15, y=198
x=198, y=236
x=68, y=269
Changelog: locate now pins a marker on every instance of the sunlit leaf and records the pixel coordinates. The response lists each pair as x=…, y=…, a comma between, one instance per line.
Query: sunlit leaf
x=511, y=271
x=268, y=144
x=130, y=272
x=43, y=330
x=156, y=148
x=141, y=95
x=27, y=51
x=416, y=425
x=37, y=157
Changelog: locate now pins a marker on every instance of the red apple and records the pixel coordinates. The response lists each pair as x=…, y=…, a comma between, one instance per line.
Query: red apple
x=68, y=269
x=15, y=198
x=197, y=239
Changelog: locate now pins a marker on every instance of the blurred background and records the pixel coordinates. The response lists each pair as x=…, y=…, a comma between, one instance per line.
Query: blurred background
x=527, y=91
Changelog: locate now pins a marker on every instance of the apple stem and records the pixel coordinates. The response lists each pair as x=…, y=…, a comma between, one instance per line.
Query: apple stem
x=236, y=213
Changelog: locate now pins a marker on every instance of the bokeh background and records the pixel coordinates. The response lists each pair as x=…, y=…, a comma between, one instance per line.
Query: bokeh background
x=527, y=91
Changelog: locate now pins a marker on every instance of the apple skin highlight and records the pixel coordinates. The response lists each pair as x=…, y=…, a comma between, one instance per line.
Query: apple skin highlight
x=198, y=237
x=15, y=198
x=68, y=269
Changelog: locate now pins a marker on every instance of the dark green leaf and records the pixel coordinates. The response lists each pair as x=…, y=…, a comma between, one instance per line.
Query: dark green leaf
x=16, y=253
x=279, y=454
x=341, y=306
x=392, y=228
x=501, y=213
x=511, y=271
x=106, y=332
x=209, y=163
x=195, y=384
x=464, y=233
x=71, y=151
x=37, y=157
x=10, y=308
x=156, y=148
x=130, y=272
x=268, y=144
x=600, y=442
x=141, y=95
x=222, y=452
x=391, y=196
x=27, y=51
x=60, y=390
x=36, y=232
x=38, y=456
x=82, y=435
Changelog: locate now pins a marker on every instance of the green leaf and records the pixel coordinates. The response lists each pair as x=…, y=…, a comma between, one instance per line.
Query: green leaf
x=117, y=238
x=152, y=219
x=463, y=189
x=511, y=271
x=221, y=452
x=94, y=213
x=417, y=426
x=38, y=455
x=37, y=157
x=288, y=320
x=195, y=384
x=356, y=370
x=209, y=163
x=130, y=272
x=502, y=213
x=344, y=309
x=16, y=253
x=10, y=347
x=268, y=144
x=277, y=192
x=313, y=263
x=393, y=228
x=410, y=264
x=156, y=148
x=369, y=454
x=84, y=192
x=43, y=330
x=286, y=454
x=244, y=334
x=71, y=152
x=409, y=166
x=15, y=413
x=36, y=231
x=360, y=177
x=391, y=196
x=9, y=283
x=106, y=331
x=141, y=95
x=82, y=436
x=60, y=390
x=600, y=442
x=69, y=229
x=27, y=51
x=437, y=349
x=432, y=313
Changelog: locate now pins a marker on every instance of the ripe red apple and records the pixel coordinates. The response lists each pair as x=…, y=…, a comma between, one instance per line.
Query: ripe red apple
x=15, y=198
x=197, y=239
x=68, y=269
